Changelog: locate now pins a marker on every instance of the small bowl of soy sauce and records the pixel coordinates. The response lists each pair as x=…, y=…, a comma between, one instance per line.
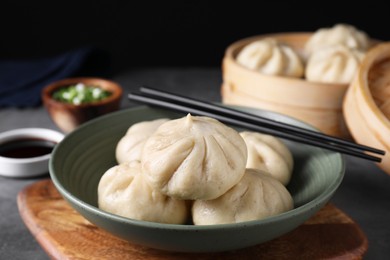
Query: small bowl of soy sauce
x=25, y=152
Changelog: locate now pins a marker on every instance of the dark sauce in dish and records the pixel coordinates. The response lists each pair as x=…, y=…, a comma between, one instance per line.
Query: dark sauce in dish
x=26, y=148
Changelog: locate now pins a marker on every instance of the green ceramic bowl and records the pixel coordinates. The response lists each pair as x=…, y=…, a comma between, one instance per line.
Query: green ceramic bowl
x=78, y=162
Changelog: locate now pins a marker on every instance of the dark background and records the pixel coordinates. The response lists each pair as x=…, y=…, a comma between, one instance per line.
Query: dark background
x=140, y=34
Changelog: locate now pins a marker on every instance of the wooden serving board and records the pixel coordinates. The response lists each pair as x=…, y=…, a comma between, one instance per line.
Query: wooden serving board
x=64, y=234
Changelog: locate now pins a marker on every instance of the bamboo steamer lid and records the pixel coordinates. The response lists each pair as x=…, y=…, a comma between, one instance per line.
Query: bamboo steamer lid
x=366, y=121
x=318, y=104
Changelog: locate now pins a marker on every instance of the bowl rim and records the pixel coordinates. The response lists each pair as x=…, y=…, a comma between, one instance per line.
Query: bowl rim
x=321, y=198
x=110, y=85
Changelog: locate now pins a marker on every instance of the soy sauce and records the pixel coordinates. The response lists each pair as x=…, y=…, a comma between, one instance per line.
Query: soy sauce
x=26, y=148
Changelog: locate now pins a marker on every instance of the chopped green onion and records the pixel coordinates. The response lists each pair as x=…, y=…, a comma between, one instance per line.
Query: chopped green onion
x=80, y=94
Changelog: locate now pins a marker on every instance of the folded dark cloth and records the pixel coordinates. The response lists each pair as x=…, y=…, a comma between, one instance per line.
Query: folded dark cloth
x=21, y=81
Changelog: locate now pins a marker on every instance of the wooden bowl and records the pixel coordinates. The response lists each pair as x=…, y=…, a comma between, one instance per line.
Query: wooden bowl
x=317, y=104
x=68, y=116
x=367, y=123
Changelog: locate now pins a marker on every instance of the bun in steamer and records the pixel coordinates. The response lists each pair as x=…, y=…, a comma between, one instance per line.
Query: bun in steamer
x=343, y=34
x=271, y=57
x=334, y=64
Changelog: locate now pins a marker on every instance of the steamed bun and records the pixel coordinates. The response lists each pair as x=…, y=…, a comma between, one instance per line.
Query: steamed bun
x=256, y=196
x=130, y=146
x=271, y=57
x=334, y=64
x=123, y=191
x=343, y=34
x=194, y=157
x=268, y=153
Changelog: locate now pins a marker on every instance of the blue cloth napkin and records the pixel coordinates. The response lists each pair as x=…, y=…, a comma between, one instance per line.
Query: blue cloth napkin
x=21, y=81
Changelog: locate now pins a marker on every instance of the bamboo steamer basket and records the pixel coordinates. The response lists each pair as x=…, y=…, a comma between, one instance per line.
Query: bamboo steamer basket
x=367, y=123
x=317, y=104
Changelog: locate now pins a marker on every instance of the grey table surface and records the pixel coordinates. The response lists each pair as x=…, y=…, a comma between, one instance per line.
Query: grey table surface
x=364, y=194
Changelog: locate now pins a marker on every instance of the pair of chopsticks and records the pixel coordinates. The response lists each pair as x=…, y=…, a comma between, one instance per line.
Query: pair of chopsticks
x=155, y=97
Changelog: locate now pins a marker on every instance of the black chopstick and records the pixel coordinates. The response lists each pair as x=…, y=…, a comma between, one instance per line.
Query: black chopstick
x=276, y=132
x=241, y=115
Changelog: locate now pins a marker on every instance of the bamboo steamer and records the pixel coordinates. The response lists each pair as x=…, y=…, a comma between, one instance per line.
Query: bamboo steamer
x=366, y=121
x=318, y=104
